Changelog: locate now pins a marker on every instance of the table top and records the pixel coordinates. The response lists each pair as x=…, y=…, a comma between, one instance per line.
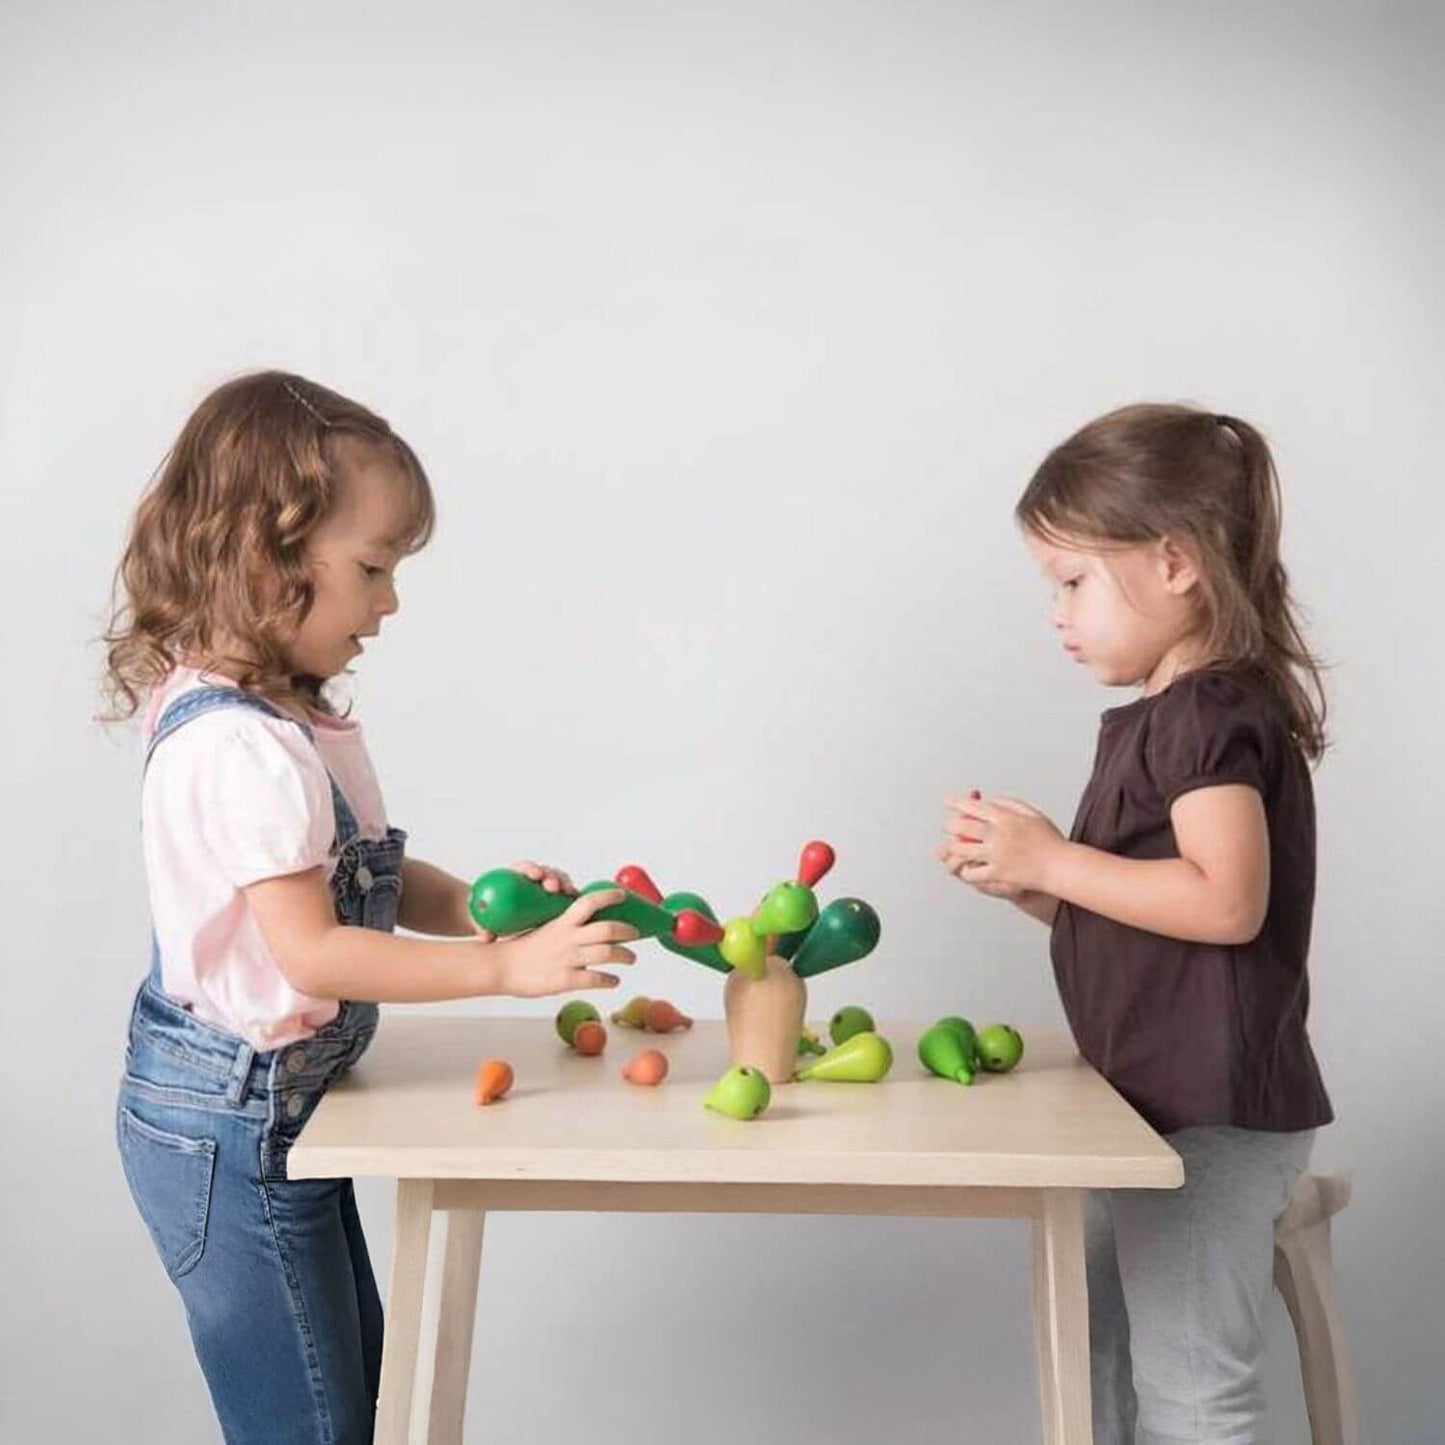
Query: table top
x=405, y=1111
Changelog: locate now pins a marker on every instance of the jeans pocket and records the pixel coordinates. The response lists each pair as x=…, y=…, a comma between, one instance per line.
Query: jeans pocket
x=170, y=1180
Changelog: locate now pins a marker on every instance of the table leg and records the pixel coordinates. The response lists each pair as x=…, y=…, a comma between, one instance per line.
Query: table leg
x=1043, y=1335
x=456, y=1316
x=403, y=1310
x=1061, y=1318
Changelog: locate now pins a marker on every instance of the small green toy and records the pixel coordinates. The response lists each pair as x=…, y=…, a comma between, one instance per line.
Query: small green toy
x=848, y=1021
x=863, y=1059
x=1000, y=1047
x=950, y=1050
x=741, y=1093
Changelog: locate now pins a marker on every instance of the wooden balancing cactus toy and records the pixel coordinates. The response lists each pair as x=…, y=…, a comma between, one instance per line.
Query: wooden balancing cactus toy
x=767, y=955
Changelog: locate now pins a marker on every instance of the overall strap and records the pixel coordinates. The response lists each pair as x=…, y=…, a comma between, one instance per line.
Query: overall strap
x=198, y=701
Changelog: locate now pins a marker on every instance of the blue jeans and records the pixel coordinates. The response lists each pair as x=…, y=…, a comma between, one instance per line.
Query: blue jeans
x=274, y=1273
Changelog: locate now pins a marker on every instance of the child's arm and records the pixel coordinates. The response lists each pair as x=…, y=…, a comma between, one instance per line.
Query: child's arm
x=1216, y=891
x=434, y=901
x=326, y=959
x=1043, y=906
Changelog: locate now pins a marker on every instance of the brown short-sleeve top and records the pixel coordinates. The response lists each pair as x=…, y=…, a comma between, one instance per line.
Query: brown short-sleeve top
x=1194, y=1033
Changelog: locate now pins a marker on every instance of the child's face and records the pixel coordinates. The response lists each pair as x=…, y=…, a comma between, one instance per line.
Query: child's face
x=1122, y=613
x=353, y=556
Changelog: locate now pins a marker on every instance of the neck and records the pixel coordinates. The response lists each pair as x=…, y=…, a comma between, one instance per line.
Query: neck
x=1184, y=656
x=229, y=667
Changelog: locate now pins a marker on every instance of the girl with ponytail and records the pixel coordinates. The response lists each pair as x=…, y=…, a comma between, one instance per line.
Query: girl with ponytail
x=1180, y=904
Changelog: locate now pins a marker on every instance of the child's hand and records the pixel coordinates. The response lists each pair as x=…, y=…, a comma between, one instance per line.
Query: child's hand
x=950, y=852
x=999, y=845
x=567, y=953
x=554, y=880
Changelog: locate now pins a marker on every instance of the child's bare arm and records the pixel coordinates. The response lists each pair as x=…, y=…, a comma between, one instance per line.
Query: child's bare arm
x=327, y=959
x=433, y=902
x=1042, y=906
x=1216, y=891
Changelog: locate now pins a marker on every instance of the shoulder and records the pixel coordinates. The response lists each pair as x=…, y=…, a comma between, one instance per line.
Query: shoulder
x=242, y=752
x=244, y=790
x=1211, y=696
x=1215, y=725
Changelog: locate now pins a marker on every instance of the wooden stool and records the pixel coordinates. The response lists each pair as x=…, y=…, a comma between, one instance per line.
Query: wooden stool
x=1304, y=1273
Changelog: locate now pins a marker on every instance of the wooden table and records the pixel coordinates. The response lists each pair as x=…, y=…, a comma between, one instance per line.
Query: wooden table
x=574, y=1136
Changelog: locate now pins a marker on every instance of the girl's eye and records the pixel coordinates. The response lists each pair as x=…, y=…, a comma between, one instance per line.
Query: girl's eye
x=373, y=571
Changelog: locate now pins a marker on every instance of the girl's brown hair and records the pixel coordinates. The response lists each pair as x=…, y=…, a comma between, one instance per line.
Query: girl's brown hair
x=1207, y=482
x=214, y=572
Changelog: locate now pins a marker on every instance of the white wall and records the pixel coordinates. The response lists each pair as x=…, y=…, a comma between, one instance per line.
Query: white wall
x=729, y=334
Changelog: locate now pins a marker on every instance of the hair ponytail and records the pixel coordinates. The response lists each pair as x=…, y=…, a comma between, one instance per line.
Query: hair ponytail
x=1279, y=646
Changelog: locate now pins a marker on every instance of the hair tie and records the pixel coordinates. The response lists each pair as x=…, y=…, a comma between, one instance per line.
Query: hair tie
x=296, y=396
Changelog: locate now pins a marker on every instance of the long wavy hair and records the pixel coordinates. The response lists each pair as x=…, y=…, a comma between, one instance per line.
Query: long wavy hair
x=1209, y=483
x=215, y=571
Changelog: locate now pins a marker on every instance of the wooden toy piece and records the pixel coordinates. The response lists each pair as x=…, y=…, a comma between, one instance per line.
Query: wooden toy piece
x=1000, y=1047
x=765, y=1018
x=810, y=1043
x=745, y=949
x=576, y=1011
x=508, y=902
x=949, y=1052
x=851, y=1019
x=635, y=880
x=589, y=1039
x=633, y=1014
x=694, y=929
x=494, y=1081
x=647, y=918
x=845, y=931
x=815, y=862
x=742, y=1093
x=689, y=902
x=664, y=1018
x=788, y=908
x=706, y=953
x=862, y=1059
x=785, y=945
x=647, y=1067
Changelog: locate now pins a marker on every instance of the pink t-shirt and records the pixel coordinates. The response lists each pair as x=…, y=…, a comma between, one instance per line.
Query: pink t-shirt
x=230, y=798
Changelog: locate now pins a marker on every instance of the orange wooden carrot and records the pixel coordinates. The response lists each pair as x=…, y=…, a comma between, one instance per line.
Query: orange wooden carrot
x=494, y=1081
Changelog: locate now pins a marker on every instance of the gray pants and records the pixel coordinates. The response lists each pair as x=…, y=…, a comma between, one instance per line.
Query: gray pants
x=1178, y=1281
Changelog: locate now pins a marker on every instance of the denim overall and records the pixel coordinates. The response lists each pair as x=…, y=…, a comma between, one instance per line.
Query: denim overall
x=274, y=1273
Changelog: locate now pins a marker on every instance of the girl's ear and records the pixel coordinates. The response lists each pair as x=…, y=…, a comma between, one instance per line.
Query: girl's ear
x=1178, y=569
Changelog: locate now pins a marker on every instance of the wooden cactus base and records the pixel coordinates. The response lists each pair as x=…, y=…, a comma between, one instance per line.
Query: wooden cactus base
x=765, y=1018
